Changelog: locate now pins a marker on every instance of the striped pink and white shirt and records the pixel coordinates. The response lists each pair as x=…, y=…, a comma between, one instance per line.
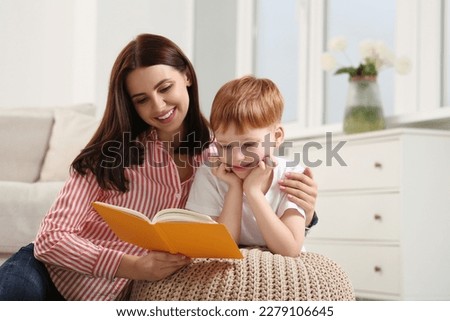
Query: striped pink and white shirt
x=81, y=253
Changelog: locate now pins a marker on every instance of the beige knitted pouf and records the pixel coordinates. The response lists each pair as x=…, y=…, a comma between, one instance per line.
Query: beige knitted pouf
x=260, y=276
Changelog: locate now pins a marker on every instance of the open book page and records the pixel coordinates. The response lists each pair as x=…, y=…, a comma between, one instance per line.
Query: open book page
x=181, y=215
x=166, y=215
x=177, y=231
x=122, y=209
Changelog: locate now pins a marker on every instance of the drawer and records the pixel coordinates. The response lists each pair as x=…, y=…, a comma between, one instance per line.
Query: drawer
x=369, y=165
x=370, y=268
x=358, y=216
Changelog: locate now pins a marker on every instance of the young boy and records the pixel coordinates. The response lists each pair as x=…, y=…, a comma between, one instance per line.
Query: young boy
x=242, y=192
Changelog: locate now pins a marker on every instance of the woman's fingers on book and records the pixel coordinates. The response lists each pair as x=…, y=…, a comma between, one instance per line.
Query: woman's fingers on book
x=169, y=257
x=158, y=265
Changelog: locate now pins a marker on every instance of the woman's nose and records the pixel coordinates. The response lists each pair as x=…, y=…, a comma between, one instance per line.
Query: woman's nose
x=158, y=103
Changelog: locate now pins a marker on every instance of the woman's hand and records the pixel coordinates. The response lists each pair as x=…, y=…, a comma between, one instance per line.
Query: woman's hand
x=151, y=267
x=302, y=190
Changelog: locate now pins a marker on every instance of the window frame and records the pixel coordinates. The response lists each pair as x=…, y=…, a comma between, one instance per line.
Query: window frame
x=419, y=35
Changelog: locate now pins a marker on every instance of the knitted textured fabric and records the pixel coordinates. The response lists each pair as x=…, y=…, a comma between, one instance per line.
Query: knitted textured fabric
x=260, y=276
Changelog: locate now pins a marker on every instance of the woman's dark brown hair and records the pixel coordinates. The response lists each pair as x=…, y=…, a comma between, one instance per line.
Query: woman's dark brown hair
x=113, y=146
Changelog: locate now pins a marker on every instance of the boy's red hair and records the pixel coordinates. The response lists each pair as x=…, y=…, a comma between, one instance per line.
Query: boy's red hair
x=246, y=102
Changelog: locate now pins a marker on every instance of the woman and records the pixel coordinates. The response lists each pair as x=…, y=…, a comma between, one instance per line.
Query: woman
x=143, y=156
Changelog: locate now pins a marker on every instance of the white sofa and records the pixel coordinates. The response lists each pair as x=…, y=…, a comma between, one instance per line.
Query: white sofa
x=37, y=147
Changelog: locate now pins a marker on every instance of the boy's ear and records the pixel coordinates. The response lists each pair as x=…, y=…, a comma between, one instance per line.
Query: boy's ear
x=279, y=135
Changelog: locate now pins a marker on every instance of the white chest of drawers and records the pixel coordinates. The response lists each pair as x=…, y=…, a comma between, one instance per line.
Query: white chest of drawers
x=385, y=217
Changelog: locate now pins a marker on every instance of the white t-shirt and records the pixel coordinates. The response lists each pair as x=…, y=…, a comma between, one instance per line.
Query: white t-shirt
x=208, y=193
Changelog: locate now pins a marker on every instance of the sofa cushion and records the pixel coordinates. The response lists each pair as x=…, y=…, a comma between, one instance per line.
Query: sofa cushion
x=70, y=134
x=23, y=207
x=23, y=142
x=87, y=109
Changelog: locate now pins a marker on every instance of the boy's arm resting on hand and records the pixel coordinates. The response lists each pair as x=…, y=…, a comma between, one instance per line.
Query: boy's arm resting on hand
x=283, y=235
x=231, y=214
x=302, y=190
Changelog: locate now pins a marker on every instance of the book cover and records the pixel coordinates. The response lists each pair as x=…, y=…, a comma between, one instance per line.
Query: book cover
x=172, y=230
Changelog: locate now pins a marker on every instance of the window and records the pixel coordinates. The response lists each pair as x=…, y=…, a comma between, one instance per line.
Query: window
x=358, y=20
x=277, y=47
x=290, y=39
x=446, y=60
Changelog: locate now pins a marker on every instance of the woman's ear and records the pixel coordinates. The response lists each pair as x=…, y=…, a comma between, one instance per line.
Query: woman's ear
x=187, y=78
x=279, y=135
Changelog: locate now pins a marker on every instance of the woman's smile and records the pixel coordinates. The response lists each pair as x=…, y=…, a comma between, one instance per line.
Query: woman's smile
x=167, y=117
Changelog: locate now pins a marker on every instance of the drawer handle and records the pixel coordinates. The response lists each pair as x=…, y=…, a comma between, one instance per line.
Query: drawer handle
x=377, y=217
x=377, y=269
x=378, y=165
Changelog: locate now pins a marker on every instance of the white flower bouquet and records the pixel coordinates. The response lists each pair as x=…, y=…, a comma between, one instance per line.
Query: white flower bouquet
x=375, y=55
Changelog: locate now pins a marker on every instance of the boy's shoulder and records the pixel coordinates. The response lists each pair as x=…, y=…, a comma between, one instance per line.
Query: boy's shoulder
x=204, y=173
x=285, y=165
x=205, y=168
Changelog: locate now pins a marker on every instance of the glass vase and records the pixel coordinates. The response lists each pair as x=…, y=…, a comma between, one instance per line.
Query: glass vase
x=364, y=110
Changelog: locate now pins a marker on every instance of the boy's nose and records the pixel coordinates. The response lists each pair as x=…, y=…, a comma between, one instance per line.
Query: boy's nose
x=238, y=154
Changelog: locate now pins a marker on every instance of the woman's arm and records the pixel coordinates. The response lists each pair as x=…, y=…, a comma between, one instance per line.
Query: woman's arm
x=61, y=239
x=58, y=241
x=151, y=267
x=302, y=190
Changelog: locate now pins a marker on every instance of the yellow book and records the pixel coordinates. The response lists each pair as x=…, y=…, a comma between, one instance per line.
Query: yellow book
x=171, y=230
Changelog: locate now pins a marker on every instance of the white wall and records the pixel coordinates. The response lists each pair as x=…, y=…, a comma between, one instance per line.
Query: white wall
x=119, y=21
x=215, y=46
x=37, y=52
x=61, y=52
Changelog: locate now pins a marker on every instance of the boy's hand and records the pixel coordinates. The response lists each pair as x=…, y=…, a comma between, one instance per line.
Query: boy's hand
x=257, y=179
x=226, y=175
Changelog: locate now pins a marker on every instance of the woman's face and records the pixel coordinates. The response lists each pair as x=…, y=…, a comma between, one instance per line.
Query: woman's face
x=159, y=94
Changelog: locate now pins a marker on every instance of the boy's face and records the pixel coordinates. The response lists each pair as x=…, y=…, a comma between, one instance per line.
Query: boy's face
x=242, y=152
